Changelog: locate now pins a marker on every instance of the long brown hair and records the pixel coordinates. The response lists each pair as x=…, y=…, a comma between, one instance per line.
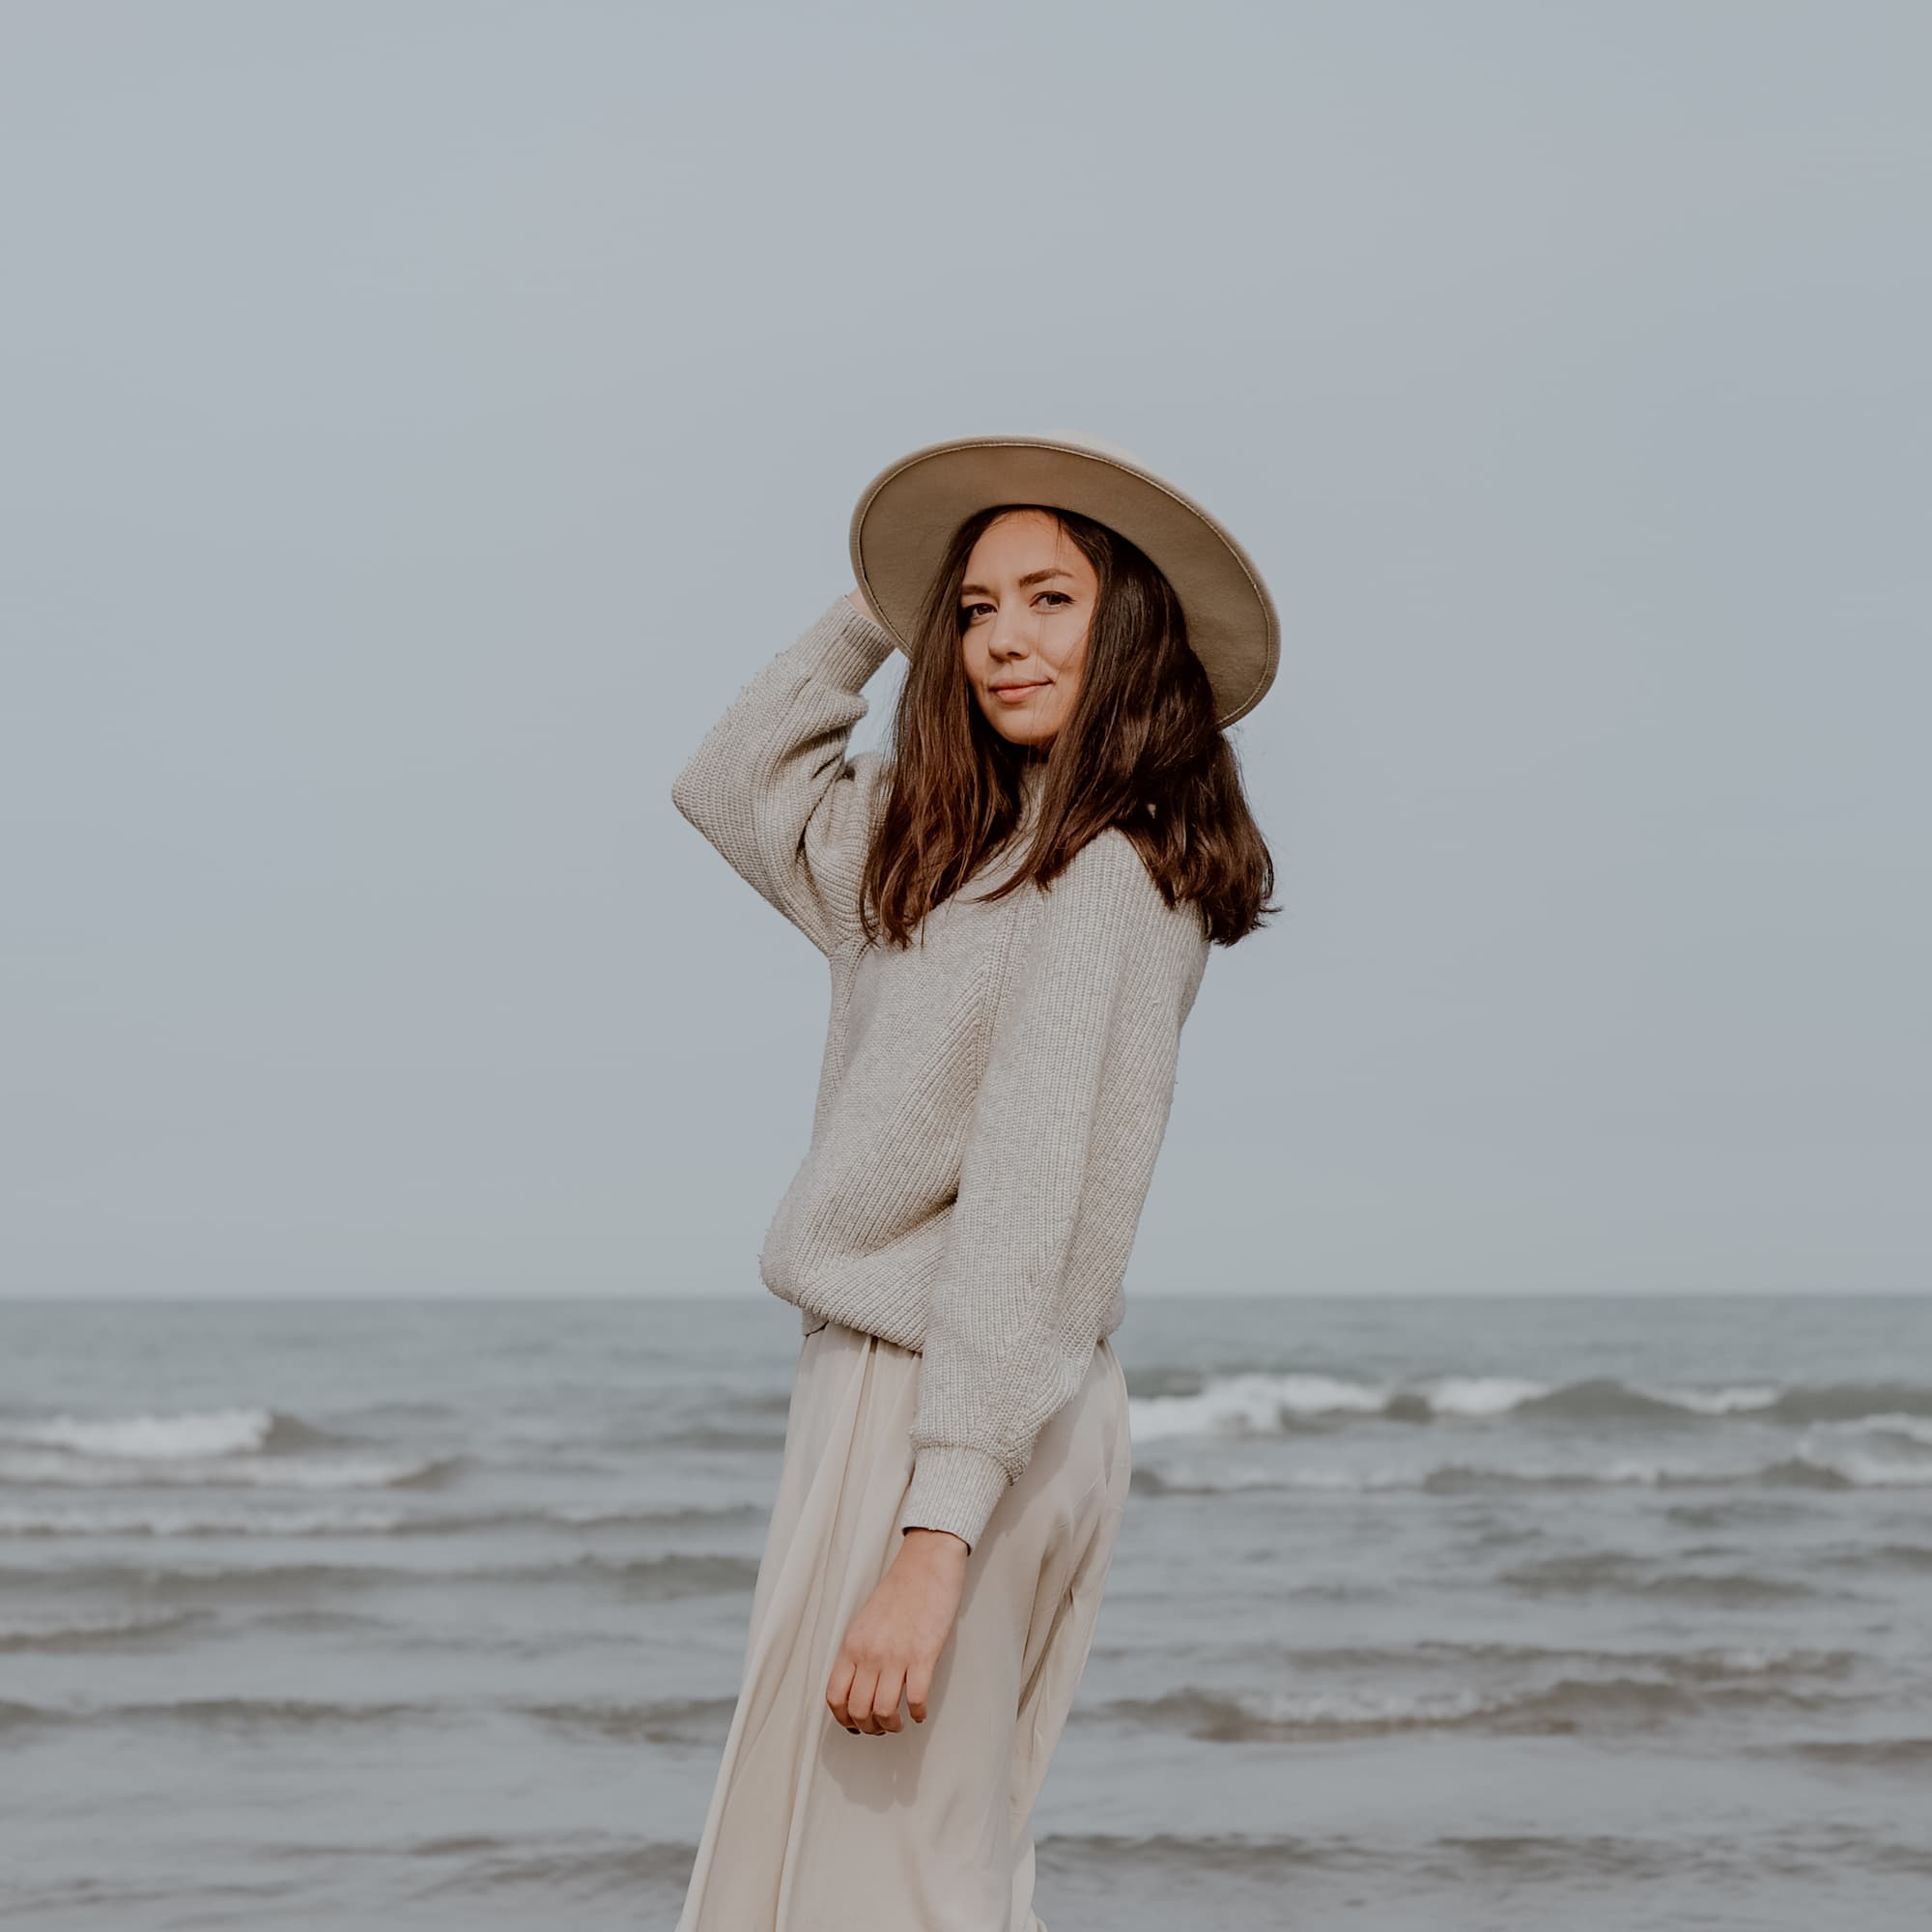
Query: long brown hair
x=1140, y=749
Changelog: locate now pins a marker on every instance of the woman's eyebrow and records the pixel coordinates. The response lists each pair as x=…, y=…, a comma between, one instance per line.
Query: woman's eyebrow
x=1031, y=577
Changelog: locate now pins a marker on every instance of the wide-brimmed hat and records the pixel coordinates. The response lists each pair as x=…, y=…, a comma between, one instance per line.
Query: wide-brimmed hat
x=909, y=513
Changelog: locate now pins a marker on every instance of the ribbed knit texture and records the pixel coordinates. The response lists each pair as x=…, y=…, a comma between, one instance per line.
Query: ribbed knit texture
x=991, y=1100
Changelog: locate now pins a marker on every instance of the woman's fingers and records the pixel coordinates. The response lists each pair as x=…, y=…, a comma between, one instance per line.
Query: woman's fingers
x=866, y=1698
x=918, y=1688
x=886, y=1699
x=865, y=1684
x=838, y=1691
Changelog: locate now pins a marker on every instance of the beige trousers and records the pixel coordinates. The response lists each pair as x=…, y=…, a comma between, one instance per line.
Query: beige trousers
x=926, y=1828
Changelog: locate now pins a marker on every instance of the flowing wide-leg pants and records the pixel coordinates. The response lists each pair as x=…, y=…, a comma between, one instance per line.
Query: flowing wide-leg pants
x=926, y=1828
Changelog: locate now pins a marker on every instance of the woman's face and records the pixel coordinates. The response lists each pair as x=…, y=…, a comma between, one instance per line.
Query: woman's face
x=1025, y=605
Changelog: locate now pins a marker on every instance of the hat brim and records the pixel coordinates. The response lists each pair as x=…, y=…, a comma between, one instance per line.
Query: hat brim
x=908, y=514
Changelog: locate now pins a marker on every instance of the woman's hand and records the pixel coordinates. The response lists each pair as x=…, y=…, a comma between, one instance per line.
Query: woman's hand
x=894, y=1644
x=856, y=599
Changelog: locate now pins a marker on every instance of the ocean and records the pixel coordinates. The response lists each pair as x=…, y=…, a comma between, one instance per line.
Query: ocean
x=1427, y=1613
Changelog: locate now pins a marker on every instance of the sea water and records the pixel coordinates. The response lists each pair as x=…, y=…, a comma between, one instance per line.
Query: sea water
x=1432, y=1613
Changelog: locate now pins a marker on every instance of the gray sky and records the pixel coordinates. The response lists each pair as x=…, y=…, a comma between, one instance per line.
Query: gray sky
x=421, y=420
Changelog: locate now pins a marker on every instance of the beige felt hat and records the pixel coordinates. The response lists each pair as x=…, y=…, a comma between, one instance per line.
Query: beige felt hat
x=907, y=515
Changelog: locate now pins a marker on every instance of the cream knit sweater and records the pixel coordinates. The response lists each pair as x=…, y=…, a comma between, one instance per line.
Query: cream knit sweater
x=991, y=1100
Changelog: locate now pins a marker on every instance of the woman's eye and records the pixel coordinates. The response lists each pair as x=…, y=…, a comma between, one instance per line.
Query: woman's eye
x=969, y=610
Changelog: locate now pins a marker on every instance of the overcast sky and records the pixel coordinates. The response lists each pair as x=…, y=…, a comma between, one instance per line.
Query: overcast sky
x=418, y=420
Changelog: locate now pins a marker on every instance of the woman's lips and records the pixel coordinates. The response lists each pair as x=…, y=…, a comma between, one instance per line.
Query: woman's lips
x=1016, y=694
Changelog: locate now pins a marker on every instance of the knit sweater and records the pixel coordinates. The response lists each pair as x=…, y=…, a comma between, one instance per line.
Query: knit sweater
x=991, y=1100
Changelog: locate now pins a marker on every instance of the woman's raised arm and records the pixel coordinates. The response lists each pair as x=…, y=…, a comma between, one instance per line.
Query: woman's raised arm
x=772, y=788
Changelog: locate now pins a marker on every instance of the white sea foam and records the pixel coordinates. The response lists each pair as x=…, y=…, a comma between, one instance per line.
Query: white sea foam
x=1749, y=1659
x=1231, y=1479
x=1480, y=1395
x=1859, y=1469
x=163, y=1520
x=220, y=1432
x=1866, y=1471
x=61, y=1630
x=1730, y=1401
x=1913, y=1428
x=1271, y=1404
x=294, y=1472
x=1219, y=1479
x=1254, y=1405
x=1245, y=1406
x=1368, y=1706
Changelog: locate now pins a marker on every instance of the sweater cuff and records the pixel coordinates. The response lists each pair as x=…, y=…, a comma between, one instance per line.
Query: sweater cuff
x=953, y=1489
x=846, y=646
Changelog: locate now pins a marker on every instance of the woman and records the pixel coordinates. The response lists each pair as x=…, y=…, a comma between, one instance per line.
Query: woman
x=994, y=1091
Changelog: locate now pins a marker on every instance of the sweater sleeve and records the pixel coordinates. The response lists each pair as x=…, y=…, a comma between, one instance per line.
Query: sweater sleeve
x=1071, y=1110
x=771, y=786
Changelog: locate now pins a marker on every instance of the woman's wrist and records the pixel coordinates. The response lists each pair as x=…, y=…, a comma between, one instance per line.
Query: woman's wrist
x=915, y=1536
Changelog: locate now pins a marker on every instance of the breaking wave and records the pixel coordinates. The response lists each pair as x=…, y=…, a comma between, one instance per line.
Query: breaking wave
x=1805, y=1468
x=198, y=1518
x=1569, y=1705
x=223, y=1448
x=1273, y=1404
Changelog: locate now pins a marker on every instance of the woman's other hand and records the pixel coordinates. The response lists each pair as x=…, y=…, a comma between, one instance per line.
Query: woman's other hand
x=893, y=1645
x=856, y=599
